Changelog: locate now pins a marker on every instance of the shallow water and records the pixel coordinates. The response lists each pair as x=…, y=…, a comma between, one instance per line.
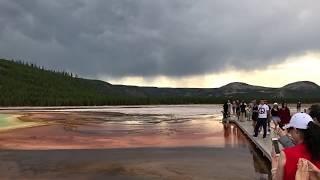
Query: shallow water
x=146, y=142
x=9, y=121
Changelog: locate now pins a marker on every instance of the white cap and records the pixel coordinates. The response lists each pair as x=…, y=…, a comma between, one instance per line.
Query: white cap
x=299, y=121
x=275, y=104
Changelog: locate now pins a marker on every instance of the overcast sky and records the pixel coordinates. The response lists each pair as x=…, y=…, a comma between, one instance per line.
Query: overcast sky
x=178, y=43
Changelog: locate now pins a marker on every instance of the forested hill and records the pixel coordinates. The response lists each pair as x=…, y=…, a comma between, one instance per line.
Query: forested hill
x=24, y=84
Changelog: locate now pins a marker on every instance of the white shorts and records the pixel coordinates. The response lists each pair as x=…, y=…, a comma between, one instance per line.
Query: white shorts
x=276, y=119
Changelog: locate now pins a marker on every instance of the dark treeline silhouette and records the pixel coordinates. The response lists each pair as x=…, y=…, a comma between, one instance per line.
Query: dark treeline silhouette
x=27, y=84
x=36, y=67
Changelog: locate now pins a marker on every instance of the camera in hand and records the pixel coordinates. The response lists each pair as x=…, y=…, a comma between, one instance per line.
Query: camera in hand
x=275, y=144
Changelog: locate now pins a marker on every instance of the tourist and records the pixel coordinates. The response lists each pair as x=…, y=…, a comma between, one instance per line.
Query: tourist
x=242, y=111
x=305, y=133
x=255, y=114
x=275, y=115
x=238, y=109
x=229, y=108
x=249, y=112
x=263, y=111
x=284, y=114
x=234, y=105
x=285, y=140
x=299, y=106
x=269, y=117
x=225, y=110
x=314, y=112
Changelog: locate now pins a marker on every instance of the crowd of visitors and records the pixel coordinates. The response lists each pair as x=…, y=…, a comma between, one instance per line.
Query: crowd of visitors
x=298, y=134
x=240, y=109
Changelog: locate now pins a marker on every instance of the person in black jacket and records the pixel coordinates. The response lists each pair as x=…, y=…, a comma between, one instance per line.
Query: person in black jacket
x=314, y=112
x=255, y=113
x=225, y=110
x=242, y=111
x=238, y=109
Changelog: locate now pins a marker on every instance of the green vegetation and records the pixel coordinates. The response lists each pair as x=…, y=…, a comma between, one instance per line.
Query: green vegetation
x=24, y=84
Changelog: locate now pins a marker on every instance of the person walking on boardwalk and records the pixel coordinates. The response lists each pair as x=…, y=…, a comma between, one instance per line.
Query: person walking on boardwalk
x=229, y=108
x=225, y=110
x=234, y=105
x=255, y=114
x=275, y=115
x=263, y=111
x=305, y=133
x=268, y=117
x=238, y=109
x=242, y=111
x=249, y=111
x=299, y=106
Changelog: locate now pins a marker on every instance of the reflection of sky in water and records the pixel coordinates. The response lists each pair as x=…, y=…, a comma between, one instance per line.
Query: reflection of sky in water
x=168, y=126
x=181, y=126
x=176, y=111
x=146, y=126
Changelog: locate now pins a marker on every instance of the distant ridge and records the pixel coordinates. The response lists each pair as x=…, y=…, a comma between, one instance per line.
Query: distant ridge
x=241, y=86
x=302, y=85
x=23, y=84
x=292, y=86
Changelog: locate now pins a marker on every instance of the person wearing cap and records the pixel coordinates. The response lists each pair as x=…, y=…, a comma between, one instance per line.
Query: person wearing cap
x=305, y=134
x=284, y=139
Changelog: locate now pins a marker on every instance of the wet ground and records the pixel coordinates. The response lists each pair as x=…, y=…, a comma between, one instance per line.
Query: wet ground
x=153, y=142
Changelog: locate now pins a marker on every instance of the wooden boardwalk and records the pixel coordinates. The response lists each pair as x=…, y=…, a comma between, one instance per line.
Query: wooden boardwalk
x=264, y=144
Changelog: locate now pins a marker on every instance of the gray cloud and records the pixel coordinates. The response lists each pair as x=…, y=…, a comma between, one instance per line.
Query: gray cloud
x=121, y=38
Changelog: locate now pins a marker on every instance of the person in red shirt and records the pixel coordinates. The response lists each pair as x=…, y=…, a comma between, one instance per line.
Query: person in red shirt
x=284, y=114
x=305, y=133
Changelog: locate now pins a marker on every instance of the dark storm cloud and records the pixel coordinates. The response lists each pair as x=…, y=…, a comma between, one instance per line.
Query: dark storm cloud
x=148, y=38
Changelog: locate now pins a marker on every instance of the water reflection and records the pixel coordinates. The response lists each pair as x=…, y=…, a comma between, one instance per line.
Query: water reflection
x=122, y=129
x=165, y=127
x=261, y=168
x=235, y=138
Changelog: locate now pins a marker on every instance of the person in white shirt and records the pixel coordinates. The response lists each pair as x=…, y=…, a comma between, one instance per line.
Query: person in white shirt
x=263, y=111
